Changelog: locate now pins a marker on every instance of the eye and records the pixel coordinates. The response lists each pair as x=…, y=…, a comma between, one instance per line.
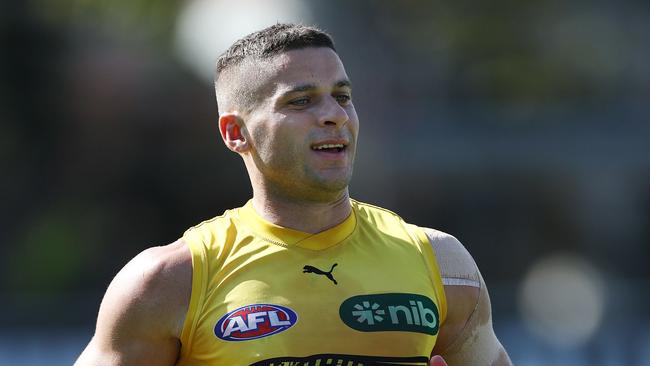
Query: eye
x=300, y=101
x=343, y=99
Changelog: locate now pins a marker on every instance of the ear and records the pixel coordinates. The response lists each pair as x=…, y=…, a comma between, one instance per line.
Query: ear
x=231, y=129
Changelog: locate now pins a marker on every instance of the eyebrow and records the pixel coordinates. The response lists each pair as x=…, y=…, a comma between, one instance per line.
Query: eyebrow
x=344, y=83
x=306, y=87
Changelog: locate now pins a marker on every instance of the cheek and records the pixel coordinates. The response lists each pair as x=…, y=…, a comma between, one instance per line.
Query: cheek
x=276, y=145
x=287, y=143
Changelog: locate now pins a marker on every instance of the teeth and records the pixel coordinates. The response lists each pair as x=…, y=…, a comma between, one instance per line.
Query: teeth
x=328, y=146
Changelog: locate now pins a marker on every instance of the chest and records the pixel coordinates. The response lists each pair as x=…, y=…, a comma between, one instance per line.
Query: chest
x=286, y=306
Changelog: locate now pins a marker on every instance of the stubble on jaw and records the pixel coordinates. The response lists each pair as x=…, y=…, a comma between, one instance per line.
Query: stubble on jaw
x=249, y=89
x=307, y=186
x=292, y=174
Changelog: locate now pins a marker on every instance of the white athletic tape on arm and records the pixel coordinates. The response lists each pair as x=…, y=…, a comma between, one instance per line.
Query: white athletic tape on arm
x=457, y=267
x=449, y=281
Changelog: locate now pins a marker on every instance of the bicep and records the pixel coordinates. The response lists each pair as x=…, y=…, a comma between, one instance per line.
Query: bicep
x=132, y=351
x=135, y=324
x=467, y=336
x=117, y=343
x=475, y=343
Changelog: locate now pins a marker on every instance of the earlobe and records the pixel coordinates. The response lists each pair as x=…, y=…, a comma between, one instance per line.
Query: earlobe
x=230, y=127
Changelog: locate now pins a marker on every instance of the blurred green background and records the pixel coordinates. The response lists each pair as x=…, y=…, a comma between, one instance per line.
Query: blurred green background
x=520, y=127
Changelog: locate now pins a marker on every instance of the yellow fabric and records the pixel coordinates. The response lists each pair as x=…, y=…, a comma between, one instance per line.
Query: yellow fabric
x=382, y=307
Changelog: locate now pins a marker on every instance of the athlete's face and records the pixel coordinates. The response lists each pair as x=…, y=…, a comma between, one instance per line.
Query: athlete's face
x=304, y=132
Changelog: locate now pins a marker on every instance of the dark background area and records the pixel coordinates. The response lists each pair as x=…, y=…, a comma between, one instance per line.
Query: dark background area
x=520, y=127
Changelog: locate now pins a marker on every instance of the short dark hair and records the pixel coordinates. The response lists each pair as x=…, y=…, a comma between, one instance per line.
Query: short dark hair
x=274, y=40
x=266, y=43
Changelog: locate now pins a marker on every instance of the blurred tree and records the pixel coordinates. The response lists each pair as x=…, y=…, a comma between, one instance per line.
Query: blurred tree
x=148, y=20
x=515, y=51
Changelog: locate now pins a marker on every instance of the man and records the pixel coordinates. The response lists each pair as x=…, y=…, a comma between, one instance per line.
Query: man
x=301, y=274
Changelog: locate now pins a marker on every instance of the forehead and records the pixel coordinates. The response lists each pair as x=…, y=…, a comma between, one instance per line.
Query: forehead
x=320, y=67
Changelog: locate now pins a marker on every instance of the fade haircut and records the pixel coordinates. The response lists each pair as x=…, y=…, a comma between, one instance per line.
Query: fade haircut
x=236, y=87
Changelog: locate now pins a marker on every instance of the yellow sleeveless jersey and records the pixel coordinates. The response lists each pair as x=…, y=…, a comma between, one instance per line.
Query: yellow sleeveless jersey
x=366, y=292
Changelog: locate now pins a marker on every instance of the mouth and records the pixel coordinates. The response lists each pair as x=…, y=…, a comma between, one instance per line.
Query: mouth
x=329, y=147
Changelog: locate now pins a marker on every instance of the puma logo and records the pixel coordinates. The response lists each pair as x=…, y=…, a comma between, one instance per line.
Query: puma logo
x=312, y=269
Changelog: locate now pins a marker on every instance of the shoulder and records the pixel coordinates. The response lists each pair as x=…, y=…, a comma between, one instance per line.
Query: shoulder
x=367, y=209
x=143, y=310
x=152, y=290
x=378, y=217
x=211, y=232
x=457, y=267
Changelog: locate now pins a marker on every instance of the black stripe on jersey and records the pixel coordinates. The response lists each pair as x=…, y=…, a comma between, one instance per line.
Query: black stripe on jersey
x=344, y=360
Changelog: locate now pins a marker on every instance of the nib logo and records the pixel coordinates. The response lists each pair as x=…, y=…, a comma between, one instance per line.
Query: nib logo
x=391, y=312
x=367, y=313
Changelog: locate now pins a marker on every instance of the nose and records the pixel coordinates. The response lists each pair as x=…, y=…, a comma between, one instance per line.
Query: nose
x=332, y=113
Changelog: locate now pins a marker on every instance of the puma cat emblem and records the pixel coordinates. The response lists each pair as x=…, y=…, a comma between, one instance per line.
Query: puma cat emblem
x=312, y=269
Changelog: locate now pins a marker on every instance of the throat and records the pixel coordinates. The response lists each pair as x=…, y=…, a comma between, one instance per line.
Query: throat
x=309, y=217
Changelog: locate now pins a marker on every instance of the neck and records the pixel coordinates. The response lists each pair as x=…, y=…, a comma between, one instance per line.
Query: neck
x=311, y=217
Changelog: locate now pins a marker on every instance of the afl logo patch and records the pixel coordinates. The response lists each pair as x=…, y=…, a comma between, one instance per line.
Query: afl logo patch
x=254, y=321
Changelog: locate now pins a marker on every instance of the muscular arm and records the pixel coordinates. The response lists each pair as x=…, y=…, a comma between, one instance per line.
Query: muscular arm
x=142, y=313
x=467, y=336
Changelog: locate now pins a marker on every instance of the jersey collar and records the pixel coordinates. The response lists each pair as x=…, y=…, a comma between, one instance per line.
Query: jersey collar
x=289, y=237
